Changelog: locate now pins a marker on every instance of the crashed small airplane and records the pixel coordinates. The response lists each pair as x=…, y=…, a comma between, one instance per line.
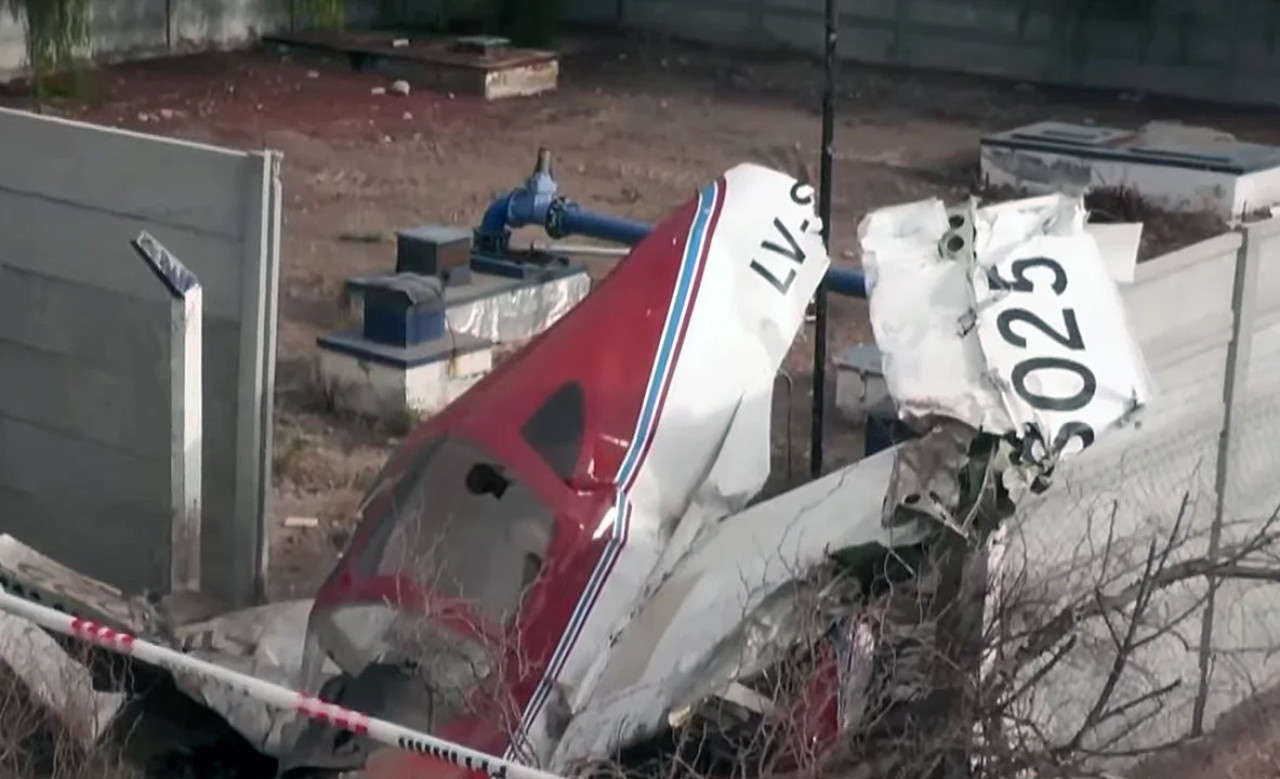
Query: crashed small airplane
x=565, y=567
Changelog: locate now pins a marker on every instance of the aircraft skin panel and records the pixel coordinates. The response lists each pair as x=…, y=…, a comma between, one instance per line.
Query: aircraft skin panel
x=760, y=260
x=675, y=645
x=608, y=343
x=672, y=350
x=617, y=523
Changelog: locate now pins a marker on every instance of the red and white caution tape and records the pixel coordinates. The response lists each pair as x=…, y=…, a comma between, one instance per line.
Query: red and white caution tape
x=272, y=695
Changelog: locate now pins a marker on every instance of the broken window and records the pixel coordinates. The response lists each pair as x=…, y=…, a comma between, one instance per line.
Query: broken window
x=466, y=530
x=557, y=429
x=471, y=537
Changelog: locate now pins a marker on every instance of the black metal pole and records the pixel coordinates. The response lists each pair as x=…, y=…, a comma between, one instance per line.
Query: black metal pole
x=824, y=211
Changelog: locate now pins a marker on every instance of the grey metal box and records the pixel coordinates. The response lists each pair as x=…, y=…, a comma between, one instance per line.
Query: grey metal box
x=429, y=249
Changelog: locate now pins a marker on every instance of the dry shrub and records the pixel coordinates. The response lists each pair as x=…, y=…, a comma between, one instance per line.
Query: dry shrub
x=1245, y=744
x=157, y=732
x=38, y=743
x=1163, y=230
x=928, y=712
x=963, y=668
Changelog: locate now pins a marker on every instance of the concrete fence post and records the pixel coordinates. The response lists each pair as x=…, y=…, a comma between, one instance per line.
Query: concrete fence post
x=186, y=369
x=248, y=543
x=1243, y=309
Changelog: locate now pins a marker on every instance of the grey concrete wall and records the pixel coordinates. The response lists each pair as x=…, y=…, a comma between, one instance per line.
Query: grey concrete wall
x=1110, y=504
x=84, y=409
x=84, y=422
x=141, y=27
x=1213, y=49
x=122, y=29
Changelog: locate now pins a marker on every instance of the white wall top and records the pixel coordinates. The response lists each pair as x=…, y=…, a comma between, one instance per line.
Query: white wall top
x=1161, y=144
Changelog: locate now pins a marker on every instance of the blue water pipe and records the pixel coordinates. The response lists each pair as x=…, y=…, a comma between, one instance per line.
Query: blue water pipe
x=849, y=282
x=538, y=202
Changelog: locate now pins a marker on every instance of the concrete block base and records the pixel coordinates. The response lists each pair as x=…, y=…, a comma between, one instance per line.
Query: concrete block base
x=380, y=381
x=498, y=309
x=1177, y=167
x=432, y=63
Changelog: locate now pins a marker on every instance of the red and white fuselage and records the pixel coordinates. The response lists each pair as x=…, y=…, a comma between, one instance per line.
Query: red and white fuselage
x=618, y=437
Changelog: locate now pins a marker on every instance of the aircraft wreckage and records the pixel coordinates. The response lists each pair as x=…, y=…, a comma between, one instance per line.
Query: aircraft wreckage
x=566, y=568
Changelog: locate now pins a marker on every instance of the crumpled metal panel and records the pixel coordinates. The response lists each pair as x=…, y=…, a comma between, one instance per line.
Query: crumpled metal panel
x=266, y=642
x=925, y=482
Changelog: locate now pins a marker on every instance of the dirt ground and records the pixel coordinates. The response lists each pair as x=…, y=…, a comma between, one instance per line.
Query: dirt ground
x=636, y=127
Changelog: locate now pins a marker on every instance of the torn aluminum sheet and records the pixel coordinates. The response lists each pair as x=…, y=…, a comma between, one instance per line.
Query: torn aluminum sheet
x=925, y=481
x=1021, y=332
x=266, y=642
x=1053, y=328
x=29, y=574
x=739, y=600
x=729, y=608
x=916, y=302
x=1118, y=242
x=855, y=646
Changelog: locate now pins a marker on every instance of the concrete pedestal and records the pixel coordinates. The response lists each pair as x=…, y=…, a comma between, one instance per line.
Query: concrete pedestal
x=382, y=381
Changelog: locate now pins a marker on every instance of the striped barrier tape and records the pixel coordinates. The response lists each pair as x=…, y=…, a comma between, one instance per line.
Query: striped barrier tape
x=273, y=695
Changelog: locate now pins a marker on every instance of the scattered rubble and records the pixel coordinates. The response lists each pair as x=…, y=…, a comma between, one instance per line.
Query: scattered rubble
x=163, y=114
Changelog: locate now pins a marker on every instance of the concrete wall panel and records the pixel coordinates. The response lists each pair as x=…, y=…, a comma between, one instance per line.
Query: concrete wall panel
x=86, y=383
x=1191, y=48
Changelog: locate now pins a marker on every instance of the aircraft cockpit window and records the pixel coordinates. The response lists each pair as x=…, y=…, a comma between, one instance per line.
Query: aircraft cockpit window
x=532, y=568
x=466, y=529
x=556, y=431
